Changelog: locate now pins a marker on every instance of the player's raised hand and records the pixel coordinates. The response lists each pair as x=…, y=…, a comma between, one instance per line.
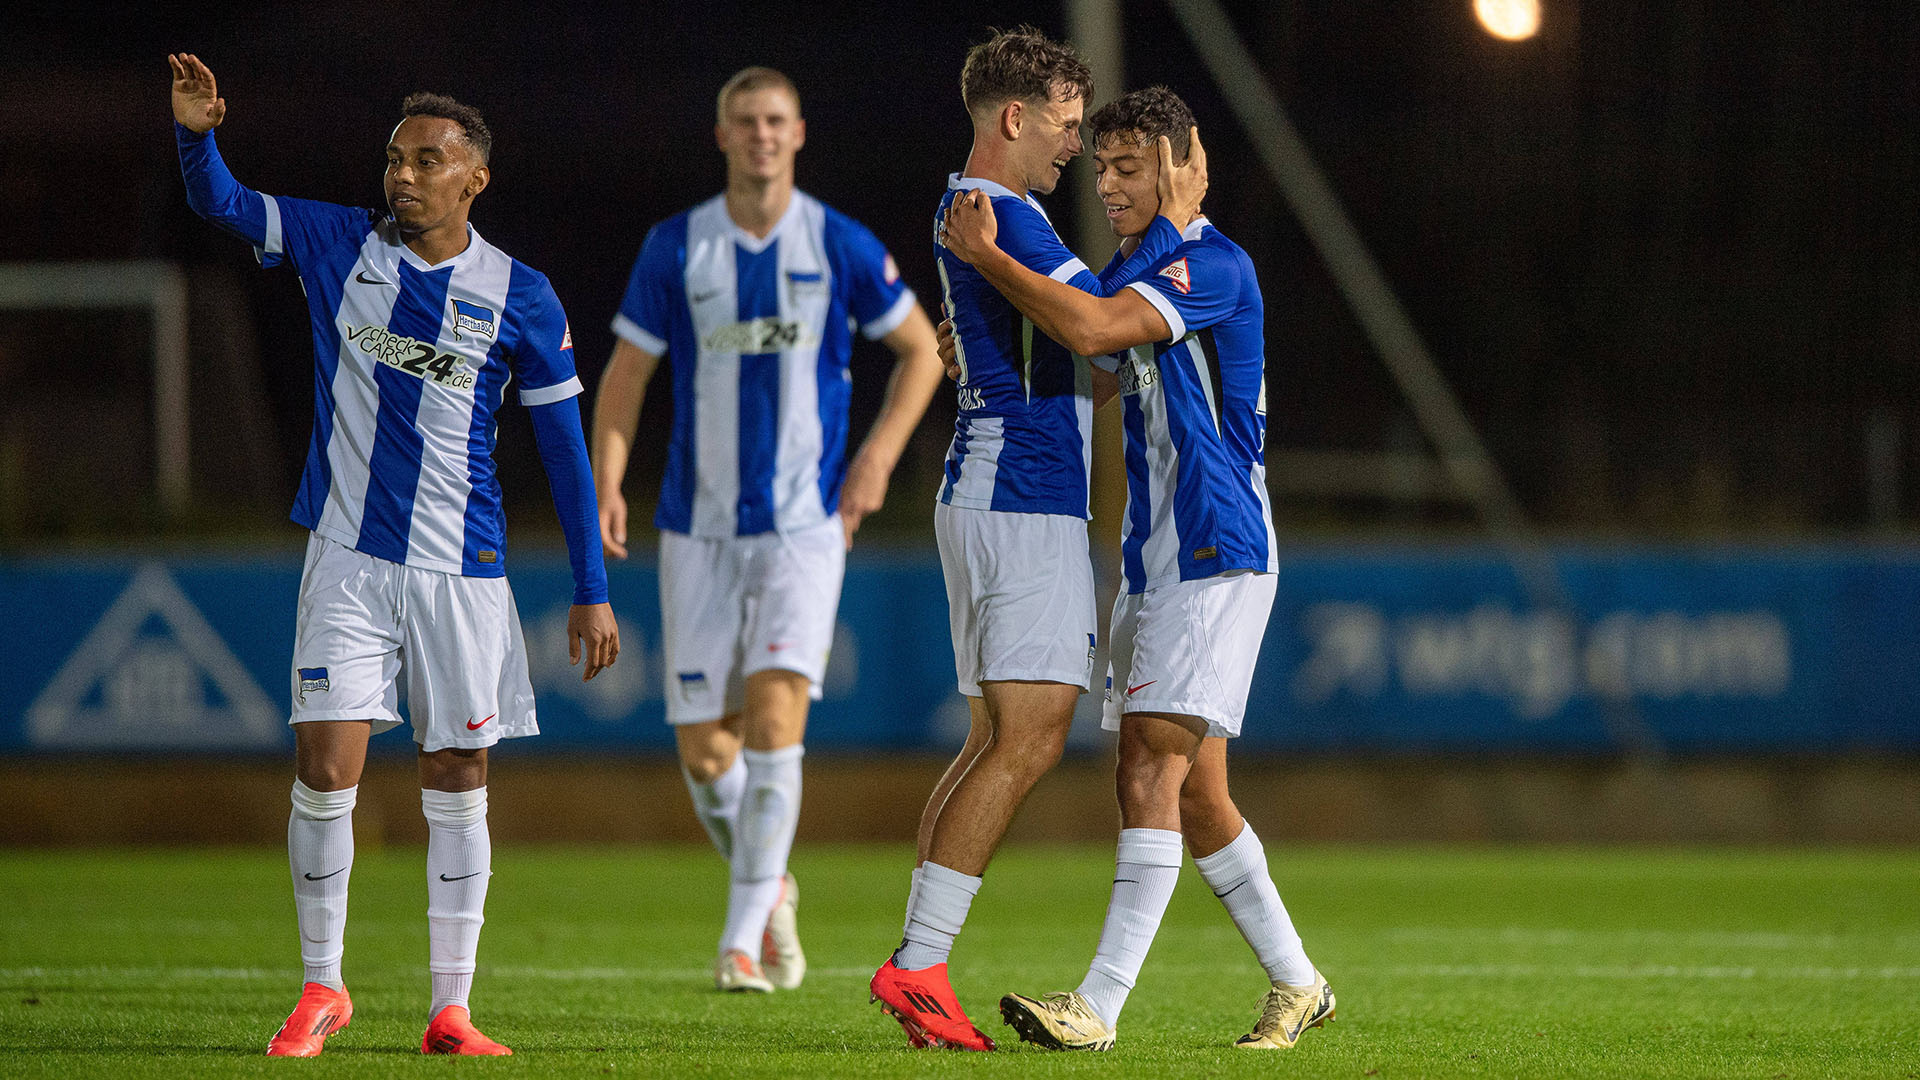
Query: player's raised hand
x=197, y=103
x=1182, y=187
x=970, y=227
x=613, y=525
x=590, y=628
x=943, y=344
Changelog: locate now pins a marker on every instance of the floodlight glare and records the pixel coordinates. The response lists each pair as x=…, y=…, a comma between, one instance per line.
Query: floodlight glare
x=1509, y=20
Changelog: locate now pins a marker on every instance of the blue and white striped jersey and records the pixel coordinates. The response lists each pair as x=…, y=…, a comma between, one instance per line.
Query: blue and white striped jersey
x=758, y=333
x=1195, y=415
x=1022, y=441
x=411, y=362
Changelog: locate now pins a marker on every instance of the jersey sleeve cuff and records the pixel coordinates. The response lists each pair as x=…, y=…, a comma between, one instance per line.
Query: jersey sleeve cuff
x=636, y=335
x=1176, y=326
x=547, y=395
x=1065, y=272
x=888, y=323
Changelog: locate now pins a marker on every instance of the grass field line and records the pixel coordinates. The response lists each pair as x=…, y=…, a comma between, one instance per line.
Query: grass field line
x=1531, y=935
x=666, y=974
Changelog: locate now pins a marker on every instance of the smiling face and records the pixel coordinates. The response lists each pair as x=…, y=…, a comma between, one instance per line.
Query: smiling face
x=432, y=174
x=1127, y=176
x=1049, y=137
x=760, y=131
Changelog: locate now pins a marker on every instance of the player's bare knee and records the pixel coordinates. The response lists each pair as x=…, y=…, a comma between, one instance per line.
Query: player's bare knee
x=453, y=769
x=704, y=767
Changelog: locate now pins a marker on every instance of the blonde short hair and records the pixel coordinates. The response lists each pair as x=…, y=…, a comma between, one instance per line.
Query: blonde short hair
x=749, y=79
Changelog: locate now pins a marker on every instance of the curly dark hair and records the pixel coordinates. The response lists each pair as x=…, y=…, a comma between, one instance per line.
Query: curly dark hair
x=1141, y=117
x=472, y=125
x=1022, y=64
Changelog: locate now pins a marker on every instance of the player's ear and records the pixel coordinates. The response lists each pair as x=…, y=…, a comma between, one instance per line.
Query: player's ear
x=1012, y=114
x=800, y=133
x=477, y=181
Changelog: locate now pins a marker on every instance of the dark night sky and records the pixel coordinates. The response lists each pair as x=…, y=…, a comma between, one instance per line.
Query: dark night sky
x=1665, y=252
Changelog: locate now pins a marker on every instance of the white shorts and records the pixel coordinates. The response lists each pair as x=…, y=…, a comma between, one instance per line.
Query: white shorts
x=734, y=606
x=1188, y=649
x=364, y=620
x=1019, y=596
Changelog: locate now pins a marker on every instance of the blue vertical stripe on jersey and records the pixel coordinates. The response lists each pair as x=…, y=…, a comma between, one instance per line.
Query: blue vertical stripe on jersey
x=833, y=393
x=678, y=481
x=325, y=285
x=1139, y=492
x=758, y=277
x=393, y=469
x=484, y=517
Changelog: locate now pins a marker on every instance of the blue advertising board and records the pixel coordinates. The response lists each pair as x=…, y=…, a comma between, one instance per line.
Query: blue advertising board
x=1390, y=649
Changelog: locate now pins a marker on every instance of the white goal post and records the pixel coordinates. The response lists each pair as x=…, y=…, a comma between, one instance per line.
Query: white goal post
x=160, y=289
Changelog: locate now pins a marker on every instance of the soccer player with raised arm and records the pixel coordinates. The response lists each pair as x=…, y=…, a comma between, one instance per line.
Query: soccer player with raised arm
x=1011, y=517
x=751, y=297
x=418, y=325
x=1198, y=562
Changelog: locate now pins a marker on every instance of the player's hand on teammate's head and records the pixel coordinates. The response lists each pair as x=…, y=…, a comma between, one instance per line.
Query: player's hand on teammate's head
x=1182, y=187
x=592, y=631
x=970, y=226
x=197, y=104
x=943, y=343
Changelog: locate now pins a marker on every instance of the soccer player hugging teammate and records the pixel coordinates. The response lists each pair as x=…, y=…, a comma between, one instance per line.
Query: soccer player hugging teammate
x=1012, y=510
x=418, y=325
x=1198, y=560
x=749, y=296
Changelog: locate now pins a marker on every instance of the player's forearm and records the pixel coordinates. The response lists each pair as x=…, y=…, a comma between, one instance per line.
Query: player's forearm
x=917, y=374
x=616, y=414
x=212, y=191
x=1062, y=312
x=563, y=453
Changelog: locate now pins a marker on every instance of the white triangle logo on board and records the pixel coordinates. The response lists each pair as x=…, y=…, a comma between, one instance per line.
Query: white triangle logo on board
x=124, y=688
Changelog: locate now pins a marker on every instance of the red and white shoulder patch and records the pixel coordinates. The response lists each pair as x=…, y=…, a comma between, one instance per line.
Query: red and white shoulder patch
x=1177, y=272
x=566, y=339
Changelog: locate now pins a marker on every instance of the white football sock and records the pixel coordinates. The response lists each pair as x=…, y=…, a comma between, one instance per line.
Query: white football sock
x=320, y=852
x=717, y=804
x=1238, y=875
x=936, y=911
x=913, y=889
x=459, y=861
x=763, y=839
x=1146, y=866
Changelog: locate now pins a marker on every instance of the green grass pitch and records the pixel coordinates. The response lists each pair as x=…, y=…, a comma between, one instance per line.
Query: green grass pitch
x=1447, y=962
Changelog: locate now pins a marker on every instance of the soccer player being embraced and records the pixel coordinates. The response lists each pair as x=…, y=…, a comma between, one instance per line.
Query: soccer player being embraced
x=418, y=325
x=1198, y=563
x=749, y=296
x=1011, y=516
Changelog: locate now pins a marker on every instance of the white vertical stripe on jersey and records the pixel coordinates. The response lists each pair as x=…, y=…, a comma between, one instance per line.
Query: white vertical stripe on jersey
x=1162, y=548
x=275, y=240
x=1203, y=370
x=798, y=442
x=356, y=398
x=713, y=296
x=445, y=420
x=977, y=473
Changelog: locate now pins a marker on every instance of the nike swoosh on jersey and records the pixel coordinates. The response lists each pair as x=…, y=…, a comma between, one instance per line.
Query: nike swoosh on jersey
x=363, y=279
x=471, y=726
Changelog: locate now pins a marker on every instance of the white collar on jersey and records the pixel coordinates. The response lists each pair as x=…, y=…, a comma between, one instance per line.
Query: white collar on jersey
x=474, y=243
x=1192, y=231
x=956, y=182
x=758, y=244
